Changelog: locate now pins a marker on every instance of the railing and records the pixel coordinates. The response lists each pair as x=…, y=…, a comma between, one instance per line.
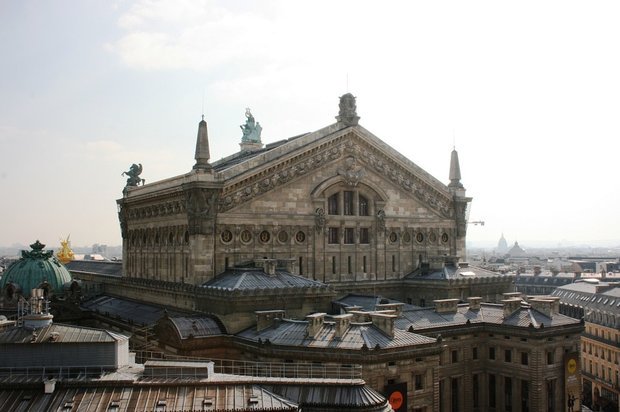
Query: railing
x=265, y=369
x=43, y=373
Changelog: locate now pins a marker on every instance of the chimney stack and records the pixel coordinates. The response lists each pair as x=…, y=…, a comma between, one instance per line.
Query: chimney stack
x=267, y=318
x=544, y=306
x=315, y=322
x=397, y=307
x=511, y=305
x=446, y=305
x=537, y=270
x=474, y=303
x=385, y=322
x=342, y=323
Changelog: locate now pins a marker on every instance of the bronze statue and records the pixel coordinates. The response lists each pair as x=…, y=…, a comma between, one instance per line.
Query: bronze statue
x=134, y=175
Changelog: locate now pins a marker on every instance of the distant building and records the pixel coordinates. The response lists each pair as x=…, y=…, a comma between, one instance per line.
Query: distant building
x=502, y=246
x=598, y=303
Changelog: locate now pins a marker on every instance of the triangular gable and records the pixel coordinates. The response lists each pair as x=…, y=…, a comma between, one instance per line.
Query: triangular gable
x=298, y=157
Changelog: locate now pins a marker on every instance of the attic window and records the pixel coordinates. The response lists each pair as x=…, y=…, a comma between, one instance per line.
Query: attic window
x=253, y=400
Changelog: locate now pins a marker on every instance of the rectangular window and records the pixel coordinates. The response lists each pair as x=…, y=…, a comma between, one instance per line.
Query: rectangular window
x=507, y=355
x=393, y=263
x=348, y=203
x=507, y=394
x=455, y=394
x=492, y=353
x=333, y=265
x=419, y=382
x=525, y=396
x=364, y=237
x=492, y=389
x=476, y=390
x=364, y=263
x=549, y=357
x=301, y=266
x=349, y=265
x=455, y=356
x=551, y=395
x=474, y=353
x=363, y=206
x=333, y=237
x=349, y=235
x=332, y=204
x=524, y=358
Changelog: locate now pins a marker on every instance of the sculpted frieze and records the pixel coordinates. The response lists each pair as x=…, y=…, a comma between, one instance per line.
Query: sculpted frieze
x=357, y=155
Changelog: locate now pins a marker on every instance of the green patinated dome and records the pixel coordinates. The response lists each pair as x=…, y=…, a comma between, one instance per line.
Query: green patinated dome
x=36, y=269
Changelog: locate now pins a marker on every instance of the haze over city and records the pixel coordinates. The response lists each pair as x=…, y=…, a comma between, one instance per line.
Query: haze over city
x=526, y=92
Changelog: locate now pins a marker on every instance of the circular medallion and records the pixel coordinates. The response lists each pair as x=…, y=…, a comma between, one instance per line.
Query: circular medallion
x=226, y=236
x=407, y=237
x=393, y=237
x=282, y=236
x=419, y=237
x=300, y=237
x=264, y=236
x=444, y=238
x=246, y=236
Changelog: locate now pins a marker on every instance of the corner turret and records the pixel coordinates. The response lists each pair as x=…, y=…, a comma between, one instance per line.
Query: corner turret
x=455, y=185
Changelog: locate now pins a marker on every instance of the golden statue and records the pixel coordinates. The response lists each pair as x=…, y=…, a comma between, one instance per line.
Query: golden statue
x=65, y=254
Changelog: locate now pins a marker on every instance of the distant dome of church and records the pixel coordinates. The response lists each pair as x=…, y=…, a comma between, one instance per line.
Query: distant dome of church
x=35, y=269
x=516, y=250
x=502, y=245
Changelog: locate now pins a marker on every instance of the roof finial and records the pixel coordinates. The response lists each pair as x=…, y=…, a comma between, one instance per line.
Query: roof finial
x=348, y=110
x=202, y=147
x=455, y=171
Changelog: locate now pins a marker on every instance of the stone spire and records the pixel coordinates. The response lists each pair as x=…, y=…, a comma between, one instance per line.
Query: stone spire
x=202, y=147
x=347, y=114
x=455, y=171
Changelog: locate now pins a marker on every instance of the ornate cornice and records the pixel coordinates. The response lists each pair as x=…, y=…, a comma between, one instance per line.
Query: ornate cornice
x=348, y=145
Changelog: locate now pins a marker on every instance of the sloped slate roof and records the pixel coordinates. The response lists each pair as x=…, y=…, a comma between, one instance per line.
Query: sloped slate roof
x=62, y=334
x=584, y=294
x=220, y=397
x=369, y=303
x=96, y=266
x=453, y=272
x=488, y=313
x=332, y=396
x=127, y=310
x=255, y=278
x=294, y=333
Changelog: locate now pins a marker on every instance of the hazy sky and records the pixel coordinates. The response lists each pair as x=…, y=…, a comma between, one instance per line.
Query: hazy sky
x=528, y=91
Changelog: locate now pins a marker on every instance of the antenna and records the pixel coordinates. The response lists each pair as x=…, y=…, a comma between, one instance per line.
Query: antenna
x=347, y=82
x=203, y=104
x=453, y=139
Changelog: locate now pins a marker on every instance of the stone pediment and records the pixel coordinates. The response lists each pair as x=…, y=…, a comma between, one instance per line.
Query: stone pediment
x=358, y=150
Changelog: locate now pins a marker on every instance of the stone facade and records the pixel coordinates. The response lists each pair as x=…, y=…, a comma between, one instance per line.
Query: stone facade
x=341, y=203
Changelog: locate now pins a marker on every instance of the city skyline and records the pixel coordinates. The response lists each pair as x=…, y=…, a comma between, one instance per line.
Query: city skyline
x=526, y=93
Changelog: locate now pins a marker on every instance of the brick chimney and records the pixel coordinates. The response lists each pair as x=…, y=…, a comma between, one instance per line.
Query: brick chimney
x=474, y=303
x=342, y=324
x=511, y=305
x=544, y=306
x=397, y=307
x=266, y=318
x=384, y=322
x=315, y=322
x=446, y=305
x=359, y=316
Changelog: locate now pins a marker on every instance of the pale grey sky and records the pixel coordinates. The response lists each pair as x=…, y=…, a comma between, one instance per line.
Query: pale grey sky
x=528, y=91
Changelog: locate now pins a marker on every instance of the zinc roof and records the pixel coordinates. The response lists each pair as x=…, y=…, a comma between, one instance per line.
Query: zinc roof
x=488, y=313
x=256, y=278
x=294, y=333
x=96, y=267
x=127, y=310
x=453, y=272
x=196, y=326
x=58, y=333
